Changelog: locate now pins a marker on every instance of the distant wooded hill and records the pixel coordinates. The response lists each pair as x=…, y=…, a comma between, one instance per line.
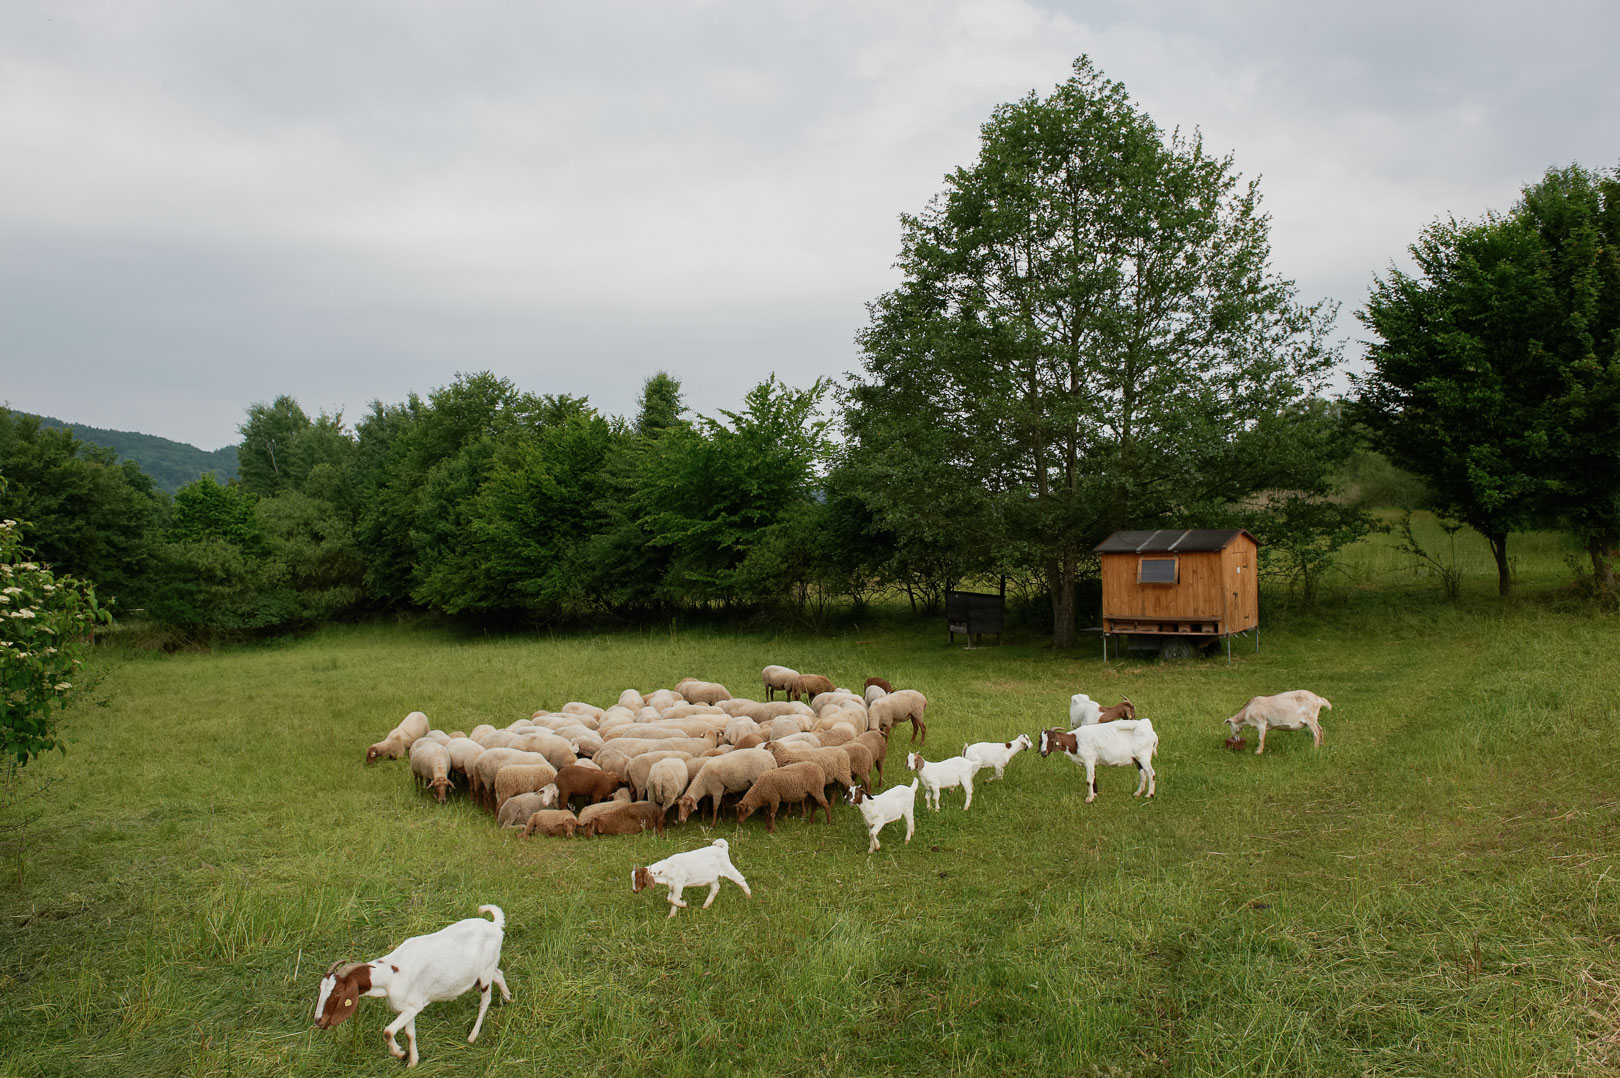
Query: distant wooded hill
x=171, y=464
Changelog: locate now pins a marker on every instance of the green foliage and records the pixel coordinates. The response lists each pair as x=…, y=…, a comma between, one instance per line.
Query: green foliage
x=1090, y=324
x=44, y=621
x=87, y=515
x=170, y=464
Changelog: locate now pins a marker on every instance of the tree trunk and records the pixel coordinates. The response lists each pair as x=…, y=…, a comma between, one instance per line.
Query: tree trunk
x=1504, y=581
x=1061, y=581
x=1601, y=550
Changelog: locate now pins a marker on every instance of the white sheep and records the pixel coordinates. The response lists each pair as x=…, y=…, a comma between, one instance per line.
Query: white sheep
x=422, y=970
x=1128, y=741
x=411, y=728
x=996, y=754
x=777, y=677
x=1284, y=711
x=430, y=763
x=666, y=781
x=898, y=803
x=694, y=868
x=944, y=775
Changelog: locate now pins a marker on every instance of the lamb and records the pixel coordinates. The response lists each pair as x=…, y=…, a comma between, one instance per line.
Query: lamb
x=808, y=685
x=996, y=754
x=944, y=775
x=515, y=779
x=1116, y=744
x=899, y=803
x=798, y=783
x=411, y=728
x=834, y=763
x=776, y=677
x=702, y=692
x=906, y=705
x=695, y=868
x=517, y=809
x=732, y=773
x=430, y=763
x=590, y=783
x=422, y=970
x=1284, y=711
x=553, y=823
x=624, y=819
x=665, y=783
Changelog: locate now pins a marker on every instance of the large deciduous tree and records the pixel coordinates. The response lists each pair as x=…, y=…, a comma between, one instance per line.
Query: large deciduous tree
x=1087, y=326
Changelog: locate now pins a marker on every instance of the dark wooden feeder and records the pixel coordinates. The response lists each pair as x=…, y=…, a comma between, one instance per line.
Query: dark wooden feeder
x=974, y=613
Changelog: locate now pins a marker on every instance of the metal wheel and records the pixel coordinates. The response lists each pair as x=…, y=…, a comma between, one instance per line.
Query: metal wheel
x=1176, y=648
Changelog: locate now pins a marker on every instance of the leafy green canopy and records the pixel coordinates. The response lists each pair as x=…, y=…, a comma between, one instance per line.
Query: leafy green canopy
x=1088, y=331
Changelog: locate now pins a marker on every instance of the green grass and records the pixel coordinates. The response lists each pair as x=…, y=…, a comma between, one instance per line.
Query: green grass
x=1434, y=892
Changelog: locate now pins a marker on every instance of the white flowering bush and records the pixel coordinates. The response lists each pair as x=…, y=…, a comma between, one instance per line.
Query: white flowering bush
x=44, y=621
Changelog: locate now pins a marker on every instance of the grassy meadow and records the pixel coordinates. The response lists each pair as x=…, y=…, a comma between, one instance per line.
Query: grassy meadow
x=1433, y=892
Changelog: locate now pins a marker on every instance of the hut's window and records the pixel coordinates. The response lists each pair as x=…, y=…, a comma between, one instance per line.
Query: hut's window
x=1157, y=571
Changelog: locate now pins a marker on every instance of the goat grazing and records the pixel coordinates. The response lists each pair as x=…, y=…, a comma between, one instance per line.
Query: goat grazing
x=1285, y=711
x=1116, y=744
x=898, y=803
x=694, y=868
x=422, y=970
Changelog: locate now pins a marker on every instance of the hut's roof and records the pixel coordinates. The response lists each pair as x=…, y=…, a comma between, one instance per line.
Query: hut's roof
x=1170, y=540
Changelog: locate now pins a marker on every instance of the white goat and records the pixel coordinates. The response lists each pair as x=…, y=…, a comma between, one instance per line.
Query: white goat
x=944, y=775
x=1083, y=711
x=694, y=868
x=1128, y=741
x=1285, y=711
x=996, y=754
x=896, y=803
x=422, y=970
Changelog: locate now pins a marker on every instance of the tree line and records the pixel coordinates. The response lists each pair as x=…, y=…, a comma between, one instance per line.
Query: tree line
x=1088, y=335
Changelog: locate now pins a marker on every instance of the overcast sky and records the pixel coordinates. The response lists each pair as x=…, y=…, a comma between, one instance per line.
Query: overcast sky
x=204, y=205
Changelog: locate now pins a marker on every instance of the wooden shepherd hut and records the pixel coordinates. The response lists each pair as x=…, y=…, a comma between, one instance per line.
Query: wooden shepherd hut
x=1175, y=590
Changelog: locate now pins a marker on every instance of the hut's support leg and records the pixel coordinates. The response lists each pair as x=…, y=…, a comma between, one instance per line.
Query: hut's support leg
x=1228, y=649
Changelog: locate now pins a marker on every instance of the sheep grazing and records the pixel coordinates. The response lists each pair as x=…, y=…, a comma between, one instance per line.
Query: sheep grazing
x=777, y=677
x=1118, y=743
x=944, y=775
x=464, y=751
x=878, y=683
x=702, y=692
x=876, y=743
x=732, y=773
x=997, y=754
x=424, y=969
x=834, y=763
x=1285, y=711
x=695, y=868
x=636, y=771
x=623, y=819
x=590, y=783
x=899, y=803
x=430, y=763
x=553, y=823
x=873, y=694
x=808, y=685
x=665, y=783
x=515, y=811
x=906, y=705
x=481, y=781
x=412, y=728
x=514, y=780
x=793, y=784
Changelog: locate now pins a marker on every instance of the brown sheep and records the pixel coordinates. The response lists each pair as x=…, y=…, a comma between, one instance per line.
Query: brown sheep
x=733, y=773
x=808, y=685
x=631, y=819
x=554, y=823
x=794, y=784
x=834, y=763
x=903, y=706
x=880, y=683
x=591, y=783
x=752, y=741
x=860, y=762
x=878, y=745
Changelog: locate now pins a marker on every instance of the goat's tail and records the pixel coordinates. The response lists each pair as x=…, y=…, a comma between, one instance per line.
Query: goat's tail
x=495, y=914
x=1326, y=702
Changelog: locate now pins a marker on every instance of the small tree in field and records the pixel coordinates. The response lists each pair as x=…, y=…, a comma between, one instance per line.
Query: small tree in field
x=43, y=618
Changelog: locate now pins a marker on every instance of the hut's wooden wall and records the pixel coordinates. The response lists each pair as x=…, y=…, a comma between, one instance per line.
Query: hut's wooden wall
x=1239, y=566
x=1211, y=588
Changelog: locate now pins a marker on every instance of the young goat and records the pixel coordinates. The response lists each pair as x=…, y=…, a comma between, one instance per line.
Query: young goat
x=1116, y=744
x=695, y=868
x=899, y=803
x=996, y=754
x=944, y=775
x=1285, y=711
x=422, y=970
